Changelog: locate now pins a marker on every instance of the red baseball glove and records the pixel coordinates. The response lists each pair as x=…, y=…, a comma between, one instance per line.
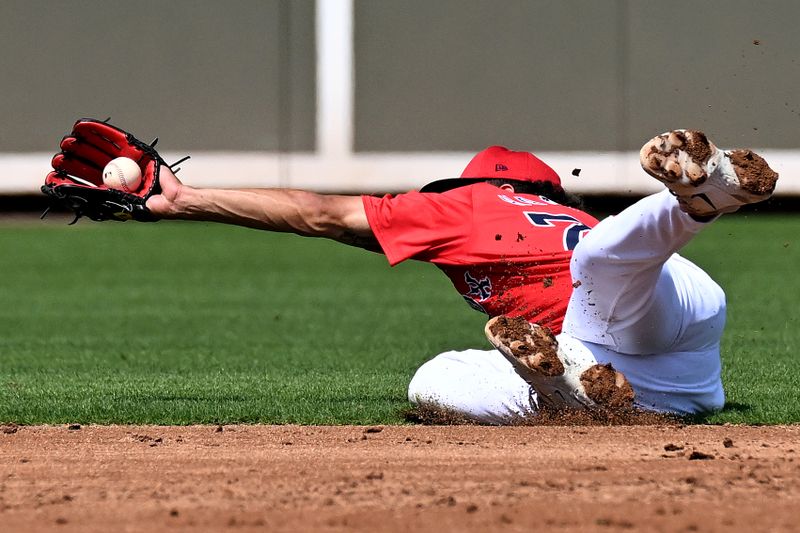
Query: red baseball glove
x=76, y=181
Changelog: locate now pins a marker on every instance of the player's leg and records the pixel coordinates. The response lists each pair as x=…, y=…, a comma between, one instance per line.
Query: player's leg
x=678, y=372
x=626, y=299
x=477, y=384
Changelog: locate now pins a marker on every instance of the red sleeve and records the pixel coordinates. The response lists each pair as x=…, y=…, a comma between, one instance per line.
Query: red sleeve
x=423, y=226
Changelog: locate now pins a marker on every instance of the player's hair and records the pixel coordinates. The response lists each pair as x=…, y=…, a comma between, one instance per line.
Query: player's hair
x=541, y=188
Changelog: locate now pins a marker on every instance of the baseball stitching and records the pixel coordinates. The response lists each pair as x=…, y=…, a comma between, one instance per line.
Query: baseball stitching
x=122, y=180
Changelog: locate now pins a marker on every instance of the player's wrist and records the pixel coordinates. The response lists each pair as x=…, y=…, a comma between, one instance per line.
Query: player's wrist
x=172, y=203
x=184, y=203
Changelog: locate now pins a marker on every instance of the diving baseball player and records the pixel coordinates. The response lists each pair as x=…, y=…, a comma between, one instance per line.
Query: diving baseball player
x=584, y=314
x=637, y=305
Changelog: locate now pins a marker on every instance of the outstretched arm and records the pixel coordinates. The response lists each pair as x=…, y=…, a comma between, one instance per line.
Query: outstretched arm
x=337, y=217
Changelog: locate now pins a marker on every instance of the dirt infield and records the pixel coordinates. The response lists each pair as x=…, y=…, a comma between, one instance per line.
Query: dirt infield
x=399, y=478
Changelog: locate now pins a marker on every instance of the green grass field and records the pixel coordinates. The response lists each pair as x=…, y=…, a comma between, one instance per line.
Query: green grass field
x=178, y=323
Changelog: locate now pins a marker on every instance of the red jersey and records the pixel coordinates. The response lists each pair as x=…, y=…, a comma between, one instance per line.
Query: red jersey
x=506, y=253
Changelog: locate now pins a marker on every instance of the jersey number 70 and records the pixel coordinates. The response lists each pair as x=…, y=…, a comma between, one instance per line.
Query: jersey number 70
x=573, y=231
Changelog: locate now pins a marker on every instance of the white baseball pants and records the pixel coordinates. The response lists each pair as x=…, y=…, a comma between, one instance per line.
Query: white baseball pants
x=654, y=315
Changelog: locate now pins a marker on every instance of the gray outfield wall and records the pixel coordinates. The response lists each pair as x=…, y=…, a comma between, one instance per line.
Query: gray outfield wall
x=449, y=76
x=204, y=74
x=575, y=74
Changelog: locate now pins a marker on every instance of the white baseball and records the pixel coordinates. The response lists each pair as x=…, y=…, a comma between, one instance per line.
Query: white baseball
x=122, y=173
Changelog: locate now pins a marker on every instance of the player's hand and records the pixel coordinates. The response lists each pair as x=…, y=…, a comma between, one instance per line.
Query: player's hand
x=166, y=204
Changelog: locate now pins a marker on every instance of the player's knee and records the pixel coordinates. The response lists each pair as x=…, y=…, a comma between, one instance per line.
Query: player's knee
x=421, y=386
x=479, y=385
x=717, y=295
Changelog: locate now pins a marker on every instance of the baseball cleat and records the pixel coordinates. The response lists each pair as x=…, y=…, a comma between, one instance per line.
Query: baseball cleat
x=706, y=180
x=561, y=379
